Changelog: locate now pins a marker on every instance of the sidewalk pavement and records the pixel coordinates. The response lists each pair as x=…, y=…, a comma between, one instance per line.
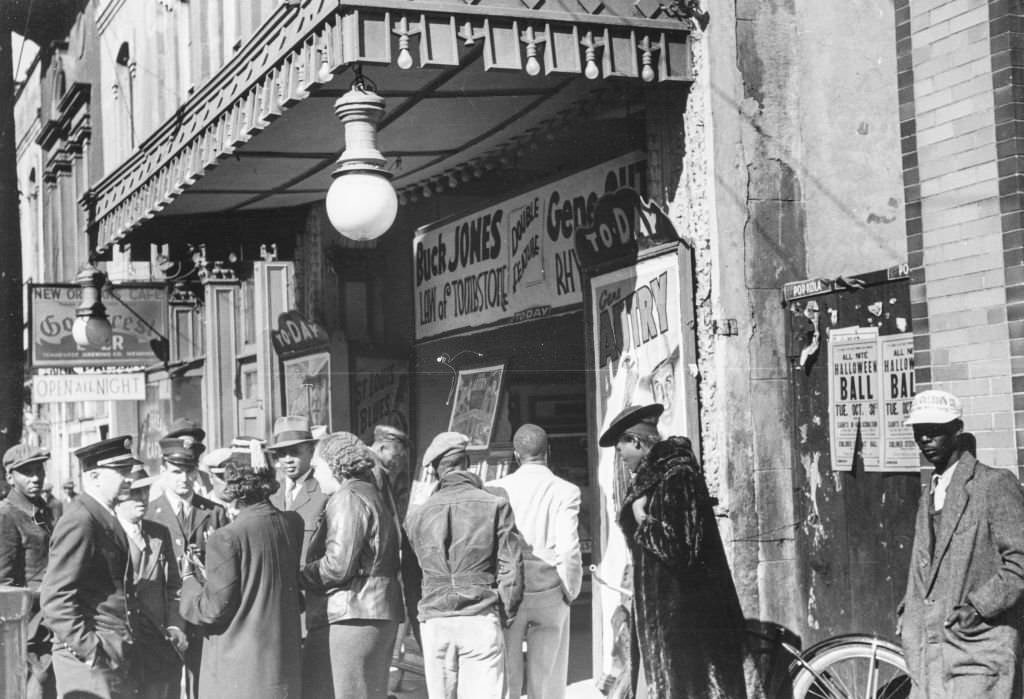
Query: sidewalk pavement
x=412, y=687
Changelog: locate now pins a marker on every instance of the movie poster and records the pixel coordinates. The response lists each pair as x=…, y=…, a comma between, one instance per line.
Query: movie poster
x=637, y=353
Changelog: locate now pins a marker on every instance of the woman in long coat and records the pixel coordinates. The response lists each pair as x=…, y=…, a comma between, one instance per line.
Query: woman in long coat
x=688, y=620
x=247, y=599
x=358, y=572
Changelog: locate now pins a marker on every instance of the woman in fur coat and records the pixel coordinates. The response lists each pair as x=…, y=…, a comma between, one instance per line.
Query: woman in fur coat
x=689, y=625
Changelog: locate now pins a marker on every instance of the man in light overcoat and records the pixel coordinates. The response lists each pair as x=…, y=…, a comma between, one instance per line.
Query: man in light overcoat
x=961, y=617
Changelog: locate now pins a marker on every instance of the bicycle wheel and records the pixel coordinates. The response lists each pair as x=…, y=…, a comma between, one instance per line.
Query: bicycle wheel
x=862, y=668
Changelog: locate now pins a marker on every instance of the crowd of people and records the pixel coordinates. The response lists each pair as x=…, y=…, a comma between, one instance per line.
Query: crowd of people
x=292, y=567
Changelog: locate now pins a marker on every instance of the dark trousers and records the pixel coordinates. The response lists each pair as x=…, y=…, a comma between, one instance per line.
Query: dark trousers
x=317, y=678
x=360, y=657
x=193, y=660
x=76, y=680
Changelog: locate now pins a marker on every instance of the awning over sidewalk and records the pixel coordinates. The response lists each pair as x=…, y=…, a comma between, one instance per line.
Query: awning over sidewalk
x=262, y=134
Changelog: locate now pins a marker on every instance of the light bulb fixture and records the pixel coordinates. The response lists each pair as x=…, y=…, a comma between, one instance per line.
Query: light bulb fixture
x=91, y=329
x=361, y=203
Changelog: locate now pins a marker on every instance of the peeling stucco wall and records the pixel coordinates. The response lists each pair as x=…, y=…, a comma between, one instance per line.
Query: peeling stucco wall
x=791, y=170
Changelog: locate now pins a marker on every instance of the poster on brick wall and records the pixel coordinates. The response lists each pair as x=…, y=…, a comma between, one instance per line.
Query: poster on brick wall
x=871, y=387
x=854, y=398
x=901, y=452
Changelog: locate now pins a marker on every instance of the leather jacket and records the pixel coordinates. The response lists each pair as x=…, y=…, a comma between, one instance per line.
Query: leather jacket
x=469, y=550
x=358, y=571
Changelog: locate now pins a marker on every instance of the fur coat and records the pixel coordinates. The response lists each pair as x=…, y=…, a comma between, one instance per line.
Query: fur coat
x=689, y=627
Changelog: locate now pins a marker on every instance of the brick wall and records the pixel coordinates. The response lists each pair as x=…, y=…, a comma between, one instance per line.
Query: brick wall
x=956, y=192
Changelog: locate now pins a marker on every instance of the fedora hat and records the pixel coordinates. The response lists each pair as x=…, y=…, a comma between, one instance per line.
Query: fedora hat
x=289, y=431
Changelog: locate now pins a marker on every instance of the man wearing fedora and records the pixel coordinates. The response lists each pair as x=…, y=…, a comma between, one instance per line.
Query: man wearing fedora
x=190, y=518
x=960, y=621
x=291, y=450
x=157, y=628
x=26, y=523
x=86, y=589
x=633, y=432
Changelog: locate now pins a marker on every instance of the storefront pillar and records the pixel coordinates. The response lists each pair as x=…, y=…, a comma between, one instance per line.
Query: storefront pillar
x=218, y=381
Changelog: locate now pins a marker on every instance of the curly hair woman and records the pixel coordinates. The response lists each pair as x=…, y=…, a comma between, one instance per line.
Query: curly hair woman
x=247, y=599
x=358, y=572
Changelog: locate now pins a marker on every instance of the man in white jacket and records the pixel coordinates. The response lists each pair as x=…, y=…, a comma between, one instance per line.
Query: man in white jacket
x=546, y=509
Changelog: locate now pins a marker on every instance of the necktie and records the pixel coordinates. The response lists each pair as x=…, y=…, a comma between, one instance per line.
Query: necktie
x=181, y=514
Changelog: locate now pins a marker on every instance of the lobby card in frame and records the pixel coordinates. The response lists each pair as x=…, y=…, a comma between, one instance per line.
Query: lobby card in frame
x=307, y=387
x=476, y=403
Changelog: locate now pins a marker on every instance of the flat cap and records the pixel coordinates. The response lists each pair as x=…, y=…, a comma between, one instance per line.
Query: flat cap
x=633, y=415
x=387, y=433
x=22, y=455
x=115, y=452
x=445, y=444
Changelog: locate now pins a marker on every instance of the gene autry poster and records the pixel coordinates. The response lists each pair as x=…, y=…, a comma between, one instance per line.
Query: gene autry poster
x=514, y=261
x=639, y=355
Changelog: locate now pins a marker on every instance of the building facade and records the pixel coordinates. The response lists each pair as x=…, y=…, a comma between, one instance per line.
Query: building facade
x=191, y=145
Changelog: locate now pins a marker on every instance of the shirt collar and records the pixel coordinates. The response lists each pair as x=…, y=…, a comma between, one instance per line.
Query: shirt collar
x=300, y=480
x=103, y=505
x=130, y=527
x=175, y=500
x=941, y=480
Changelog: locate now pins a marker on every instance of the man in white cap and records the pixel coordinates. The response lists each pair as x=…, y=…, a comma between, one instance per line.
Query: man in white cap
x=472, y=560
x=960, y=621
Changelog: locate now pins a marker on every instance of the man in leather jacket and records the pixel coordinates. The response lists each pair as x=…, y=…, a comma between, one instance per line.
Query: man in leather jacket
x=472, y=560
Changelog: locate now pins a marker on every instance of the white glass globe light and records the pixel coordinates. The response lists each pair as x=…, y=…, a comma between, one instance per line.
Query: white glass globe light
x=91, y=329
x=361, y=205
x=91, y=332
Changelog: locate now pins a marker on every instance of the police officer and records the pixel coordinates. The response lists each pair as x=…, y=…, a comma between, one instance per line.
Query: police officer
x=191, y=519
x=85, y=590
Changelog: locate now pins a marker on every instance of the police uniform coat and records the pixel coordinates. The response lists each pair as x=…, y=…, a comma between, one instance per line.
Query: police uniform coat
x=84, y=595
x=206, y=516
x=154, y=607
x=248, y=607
x=978, y=559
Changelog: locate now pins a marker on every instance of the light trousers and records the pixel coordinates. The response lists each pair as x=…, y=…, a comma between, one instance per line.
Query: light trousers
x=464, y=657
x=543, y=622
